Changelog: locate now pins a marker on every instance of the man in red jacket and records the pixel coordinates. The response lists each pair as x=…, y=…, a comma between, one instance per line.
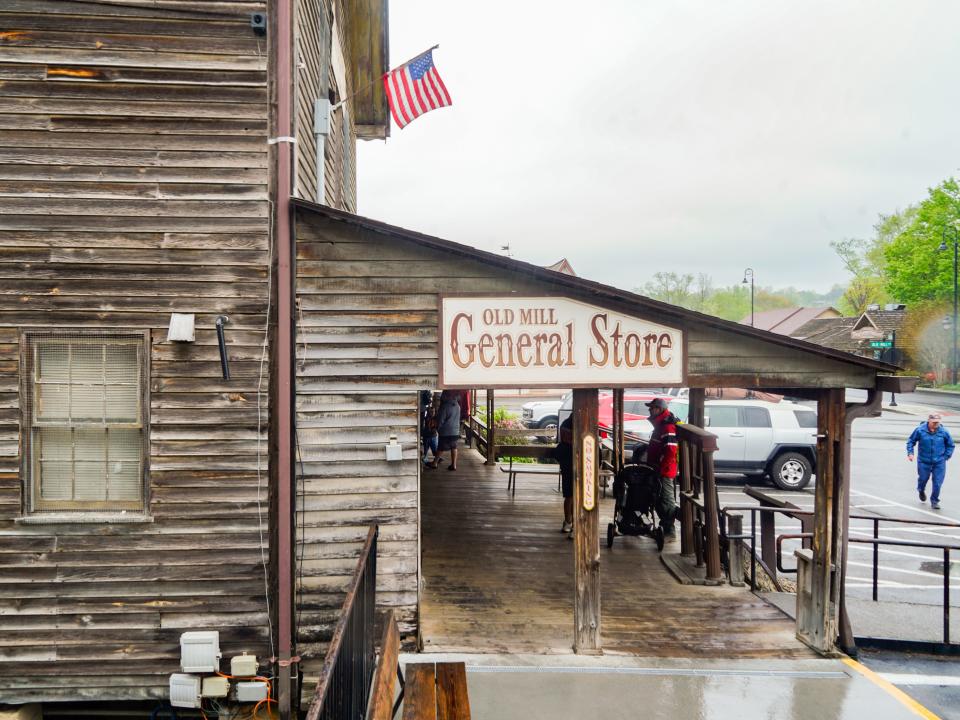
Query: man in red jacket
x=662, y=456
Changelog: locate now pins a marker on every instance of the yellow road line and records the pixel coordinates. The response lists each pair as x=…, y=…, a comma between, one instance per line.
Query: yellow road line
x=891, y=689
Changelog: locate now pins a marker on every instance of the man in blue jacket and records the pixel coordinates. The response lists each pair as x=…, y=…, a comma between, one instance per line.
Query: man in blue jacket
x=935, y=447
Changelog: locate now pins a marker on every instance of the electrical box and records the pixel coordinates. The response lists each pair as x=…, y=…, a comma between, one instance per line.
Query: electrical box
x=181, y=328
x=184, y=690
x=243, y=665
x=200, y=651
x=215, y=686
x=394, y=449
x=251, y=691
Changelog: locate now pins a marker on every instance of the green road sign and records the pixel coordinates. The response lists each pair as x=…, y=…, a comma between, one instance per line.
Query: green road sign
x=881, y=343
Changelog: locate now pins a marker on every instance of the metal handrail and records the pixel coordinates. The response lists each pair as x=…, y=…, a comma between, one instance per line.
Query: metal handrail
x=348, y=667
x=876, y=541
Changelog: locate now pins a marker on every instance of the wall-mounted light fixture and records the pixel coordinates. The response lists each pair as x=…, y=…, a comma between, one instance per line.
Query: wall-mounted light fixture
x=224, y=365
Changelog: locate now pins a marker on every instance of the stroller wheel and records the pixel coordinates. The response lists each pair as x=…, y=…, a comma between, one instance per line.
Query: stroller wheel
x=611, y=533
x=658, y=537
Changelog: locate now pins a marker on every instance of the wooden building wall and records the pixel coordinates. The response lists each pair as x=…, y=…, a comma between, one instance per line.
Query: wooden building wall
x=367, y=342
x=323, y=71
x=134, y=182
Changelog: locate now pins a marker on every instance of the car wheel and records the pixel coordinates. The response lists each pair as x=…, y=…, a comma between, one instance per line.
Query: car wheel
x=548, y=423
x=791, y=471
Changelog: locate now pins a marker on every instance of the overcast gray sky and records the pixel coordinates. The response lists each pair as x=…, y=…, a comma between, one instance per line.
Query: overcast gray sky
x=688, y=135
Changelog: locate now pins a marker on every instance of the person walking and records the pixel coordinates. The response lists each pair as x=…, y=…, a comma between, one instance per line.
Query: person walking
x=448, y=427
x=934, y=447
x=563, y=454
x=662, y=456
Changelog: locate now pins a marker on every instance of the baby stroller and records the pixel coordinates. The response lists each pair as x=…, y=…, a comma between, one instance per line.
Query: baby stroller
x=635, y=490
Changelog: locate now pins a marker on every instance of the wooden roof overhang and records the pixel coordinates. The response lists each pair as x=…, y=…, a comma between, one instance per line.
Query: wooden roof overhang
x=368, y=29
x=721, y=353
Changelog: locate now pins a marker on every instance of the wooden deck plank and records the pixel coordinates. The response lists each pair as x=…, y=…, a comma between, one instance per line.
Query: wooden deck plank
x=498, y=578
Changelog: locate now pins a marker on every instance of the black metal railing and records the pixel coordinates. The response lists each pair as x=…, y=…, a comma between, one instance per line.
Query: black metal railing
x=347, y=671
x=876, y=541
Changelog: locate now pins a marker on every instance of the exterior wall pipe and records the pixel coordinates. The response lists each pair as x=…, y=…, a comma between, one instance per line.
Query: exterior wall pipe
x=283, y=140
x=853, y=411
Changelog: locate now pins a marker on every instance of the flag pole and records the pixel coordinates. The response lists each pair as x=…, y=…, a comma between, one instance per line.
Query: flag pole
x=379, y=79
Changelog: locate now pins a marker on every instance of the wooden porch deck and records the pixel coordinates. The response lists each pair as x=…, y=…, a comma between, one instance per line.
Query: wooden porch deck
x=498, y=578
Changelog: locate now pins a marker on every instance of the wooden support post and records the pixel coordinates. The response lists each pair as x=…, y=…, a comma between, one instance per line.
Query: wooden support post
x=618, y=459
x=735, y=549
x=586, y=525
x=711, y=520
x=491, y=432
x=820, y=632
x=695, y=416
x=768, y=540
x=686, y=509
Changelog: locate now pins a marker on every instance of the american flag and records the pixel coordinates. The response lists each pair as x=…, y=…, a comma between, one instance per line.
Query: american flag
x=414, y=89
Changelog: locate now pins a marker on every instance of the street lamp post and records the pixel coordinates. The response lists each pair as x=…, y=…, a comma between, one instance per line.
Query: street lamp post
x=748, y=273
x=943, y=246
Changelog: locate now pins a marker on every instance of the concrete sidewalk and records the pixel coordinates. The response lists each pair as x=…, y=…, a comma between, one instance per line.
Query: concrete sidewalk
x=536, y=687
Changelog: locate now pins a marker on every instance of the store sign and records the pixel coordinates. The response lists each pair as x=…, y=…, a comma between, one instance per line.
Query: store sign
x=589, y=468
x=526, y=342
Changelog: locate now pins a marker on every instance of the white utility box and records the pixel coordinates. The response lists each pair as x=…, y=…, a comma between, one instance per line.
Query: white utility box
x=184, y=690
x=215, y=686
x=181, y=328
x=243, y=665
x=200, y=651
x=251, y=691
x=394, y=449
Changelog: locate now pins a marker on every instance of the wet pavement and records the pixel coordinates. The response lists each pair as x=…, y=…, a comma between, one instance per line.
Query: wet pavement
x=538, y=687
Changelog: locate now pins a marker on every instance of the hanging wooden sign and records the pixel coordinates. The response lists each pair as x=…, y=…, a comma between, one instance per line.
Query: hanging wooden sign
x=510, y=341
x=588, y=467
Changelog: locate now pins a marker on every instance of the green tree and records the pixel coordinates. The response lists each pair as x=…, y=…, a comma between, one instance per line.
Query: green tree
x=670, y=287
x=865, y=260
x=916, y=270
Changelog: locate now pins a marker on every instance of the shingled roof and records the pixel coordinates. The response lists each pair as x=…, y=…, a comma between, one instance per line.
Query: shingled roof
x=852, y=334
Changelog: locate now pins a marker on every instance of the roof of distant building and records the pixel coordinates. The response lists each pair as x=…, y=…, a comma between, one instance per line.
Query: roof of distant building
x=785, y=320
x=852, y=334
x=562, y=266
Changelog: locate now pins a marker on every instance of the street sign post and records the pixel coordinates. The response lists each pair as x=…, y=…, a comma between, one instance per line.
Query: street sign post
x=881, y=344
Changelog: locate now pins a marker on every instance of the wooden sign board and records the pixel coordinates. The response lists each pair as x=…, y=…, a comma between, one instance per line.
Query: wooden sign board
x=527, y=342
x=589, y=469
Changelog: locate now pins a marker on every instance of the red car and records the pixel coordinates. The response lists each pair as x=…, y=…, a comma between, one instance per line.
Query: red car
x=634, y=406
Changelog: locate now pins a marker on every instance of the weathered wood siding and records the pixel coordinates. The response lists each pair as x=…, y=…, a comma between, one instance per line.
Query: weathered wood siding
x=133, y=183
x=323, y=71
x=367, y=342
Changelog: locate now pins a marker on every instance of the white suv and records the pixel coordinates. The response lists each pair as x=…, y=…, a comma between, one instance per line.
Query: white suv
x=755, y=437
x=542, y=413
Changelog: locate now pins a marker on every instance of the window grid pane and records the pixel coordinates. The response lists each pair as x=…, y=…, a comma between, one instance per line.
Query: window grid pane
x=87, y=437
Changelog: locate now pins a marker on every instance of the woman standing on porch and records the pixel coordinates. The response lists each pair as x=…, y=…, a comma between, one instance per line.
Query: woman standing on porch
x=448, y=427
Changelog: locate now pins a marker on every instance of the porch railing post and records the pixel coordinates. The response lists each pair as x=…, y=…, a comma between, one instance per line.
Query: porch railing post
x=712, y=519
x=686, y=507
x=735, y=548
x=491, y=433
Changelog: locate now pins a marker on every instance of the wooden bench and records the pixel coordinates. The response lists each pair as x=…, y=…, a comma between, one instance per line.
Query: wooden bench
x=431, y=691
x=527, y=469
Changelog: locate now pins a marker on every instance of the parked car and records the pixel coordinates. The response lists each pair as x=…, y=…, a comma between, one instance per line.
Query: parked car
x=542, y=413
x=634, y=406
x=754, y=437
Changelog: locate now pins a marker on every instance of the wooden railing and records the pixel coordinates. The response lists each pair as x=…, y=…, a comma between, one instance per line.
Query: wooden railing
x=475, y=431
x=348, y=667
x=699, y=503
